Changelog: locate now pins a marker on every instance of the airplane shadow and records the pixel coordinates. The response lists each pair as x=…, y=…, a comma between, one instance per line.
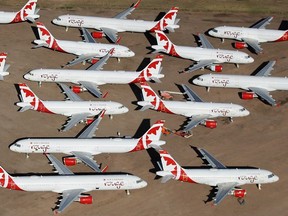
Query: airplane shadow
x=143, y=127
x=283, y=25
x=155, y=160
x=143, y=64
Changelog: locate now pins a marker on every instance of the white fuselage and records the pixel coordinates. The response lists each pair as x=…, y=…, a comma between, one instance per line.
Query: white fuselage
x=213, y=177
x=69, y=108
x=218, y=55
x=7, y=17
x=120, y=25
x=95, y=49
x=238, y=33
x=60, y=183
x=242, y=81
x=75, y=76
x=188, y=108
x=67, y=145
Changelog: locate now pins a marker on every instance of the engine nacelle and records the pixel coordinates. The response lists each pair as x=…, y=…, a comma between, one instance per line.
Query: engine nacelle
x=88, y=199
x=210, y=124
x=240, y=45
x=248, y=95
x=93, y=60
x=88, y=121
x=239, y=193
x=77, y=89
x=97, y=34
x=216, y=68
x=70, y=161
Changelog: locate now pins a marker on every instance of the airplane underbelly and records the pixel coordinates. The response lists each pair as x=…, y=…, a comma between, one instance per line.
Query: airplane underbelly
x=7, y=17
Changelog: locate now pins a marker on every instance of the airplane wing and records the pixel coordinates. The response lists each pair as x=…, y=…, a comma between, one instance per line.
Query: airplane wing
x=264, y=94
x=199, y=65
x=99, y=65
x=87, y=36
x=87, y=159
x=90, y=130
x=214, y=163
x=204, y=41
x=73, y=120
x=92, y=87
x=265, y=71
x=60, y=168
x=194, y=121
x=254, y=44
x=262, y=24
x=111, y=34
x=69, y=93
x=192, y=96
x=81, y=58
x=223, y=190
x=69, y=196
x=125, y=13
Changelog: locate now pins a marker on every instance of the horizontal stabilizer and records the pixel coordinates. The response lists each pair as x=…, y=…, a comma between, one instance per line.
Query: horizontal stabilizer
x=23, y=109
x=166, y=176
x=146, y=107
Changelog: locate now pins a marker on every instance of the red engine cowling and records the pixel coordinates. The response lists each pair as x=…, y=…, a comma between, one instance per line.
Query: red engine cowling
x=239, y=193
x=210, y=124
x=77, y=89
x=94, y=60
x=240, y=45
x=216, y=68
x=88, y=121
x=247, y=95
x=70, y=161
x=97, y=34
x=85, y=199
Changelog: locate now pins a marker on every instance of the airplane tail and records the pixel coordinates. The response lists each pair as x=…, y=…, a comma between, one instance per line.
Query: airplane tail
x=28, y=12
x=152, y=71
x=168, y=21
x=46, y=38
x=151, y=100
x=164, y=44
x=151, y=138
x=3, y=67
x=29, y=100
x=7, y=181
x=171, y=169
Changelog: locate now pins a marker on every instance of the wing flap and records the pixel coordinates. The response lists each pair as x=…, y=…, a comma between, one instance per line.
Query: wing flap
x=99, y=65
x=199, y=65
x=60, y=168
x=262, y=24
x=87, y=36
x=192, y=96
x=264, y=94
x=86, y=158
x=111, y=34
x=254, y=44
x=74, y=119
x=194, y=121
x=266, y=71
x=223, y=190
x=213, y=162
x=69, y=93
x=205, y=42
x=92, y=87
x=125, y=13
x=69, y=196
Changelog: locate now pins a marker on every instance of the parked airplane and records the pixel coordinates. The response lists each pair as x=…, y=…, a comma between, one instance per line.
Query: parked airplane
x=225, y=180
x=28, y=13
x=83, y=147
x=206, y=56
x=73, y=188
x=109, y=27
x=197, y=111
x=91, y=78
x=3, y=66
x=251, y=36
x=76, y=109
x=89, y=50
x=258, y=85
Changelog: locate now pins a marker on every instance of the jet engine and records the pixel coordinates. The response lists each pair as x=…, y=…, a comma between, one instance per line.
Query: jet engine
x=239, y=193
x=210, y=124
x=70, y=161
x=97, y=34
x=216, y=68
x=248, y=95
x=85, y=199
x=77, y=89
x=240, y=45
x=88, y=121
x=93, y=60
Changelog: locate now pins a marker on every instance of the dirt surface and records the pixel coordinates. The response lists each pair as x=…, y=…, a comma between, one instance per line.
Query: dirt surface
x=258, y=140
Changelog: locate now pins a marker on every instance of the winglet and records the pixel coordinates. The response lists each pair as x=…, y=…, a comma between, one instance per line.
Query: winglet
x=104, y=96
x=118, y=40
x=135, y=5
x=104, y=169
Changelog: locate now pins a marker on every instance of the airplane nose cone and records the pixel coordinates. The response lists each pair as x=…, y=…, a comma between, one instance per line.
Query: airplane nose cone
x=131, y=53
x=54, y=21
x=246, y=113
x=276, y=178
x=251, y=59
x=125, y=110
x=144, y=184
x=12, y=147
x=26, y=76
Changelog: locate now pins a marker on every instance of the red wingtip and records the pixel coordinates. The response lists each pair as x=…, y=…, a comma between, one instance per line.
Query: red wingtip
x=102, y=113
x=137, y=4
x=112, y=50
x=104, y=169
x=118, y=39
x=104, y=96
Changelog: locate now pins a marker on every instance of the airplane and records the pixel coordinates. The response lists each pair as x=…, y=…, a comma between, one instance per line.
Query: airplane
x=195, y=109
x=91, y=78
x=3, y=66
x=83, y=147
x=258, y=85
x=28, y=13
x=89, y=50
x=109, y=27
x=72, y=187
x=205, y=56
x=226, y=180
x=251, y=36
x=73, y=107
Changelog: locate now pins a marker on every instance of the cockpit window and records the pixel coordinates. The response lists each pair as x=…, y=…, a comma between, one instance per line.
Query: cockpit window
x=17, y=145
x=271, y=175
x=247, y=57
x=121, y=107
x=199, y=79
x=243, y=109
x=214, y=30
x=139, y=181
x=58, y=19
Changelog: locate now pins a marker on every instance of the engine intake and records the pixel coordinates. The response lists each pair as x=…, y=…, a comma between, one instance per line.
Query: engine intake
x=87, y=199
x=239, y=193
x=97, y=34
x=216, y=68
x=77, y=89
x=70, y=161
x=248, y=95
x=210, y=124
x=240, y=45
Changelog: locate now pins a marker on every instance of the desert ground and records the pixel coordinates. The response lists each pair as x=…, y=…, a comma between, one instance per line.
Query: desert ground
x=258, y=140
